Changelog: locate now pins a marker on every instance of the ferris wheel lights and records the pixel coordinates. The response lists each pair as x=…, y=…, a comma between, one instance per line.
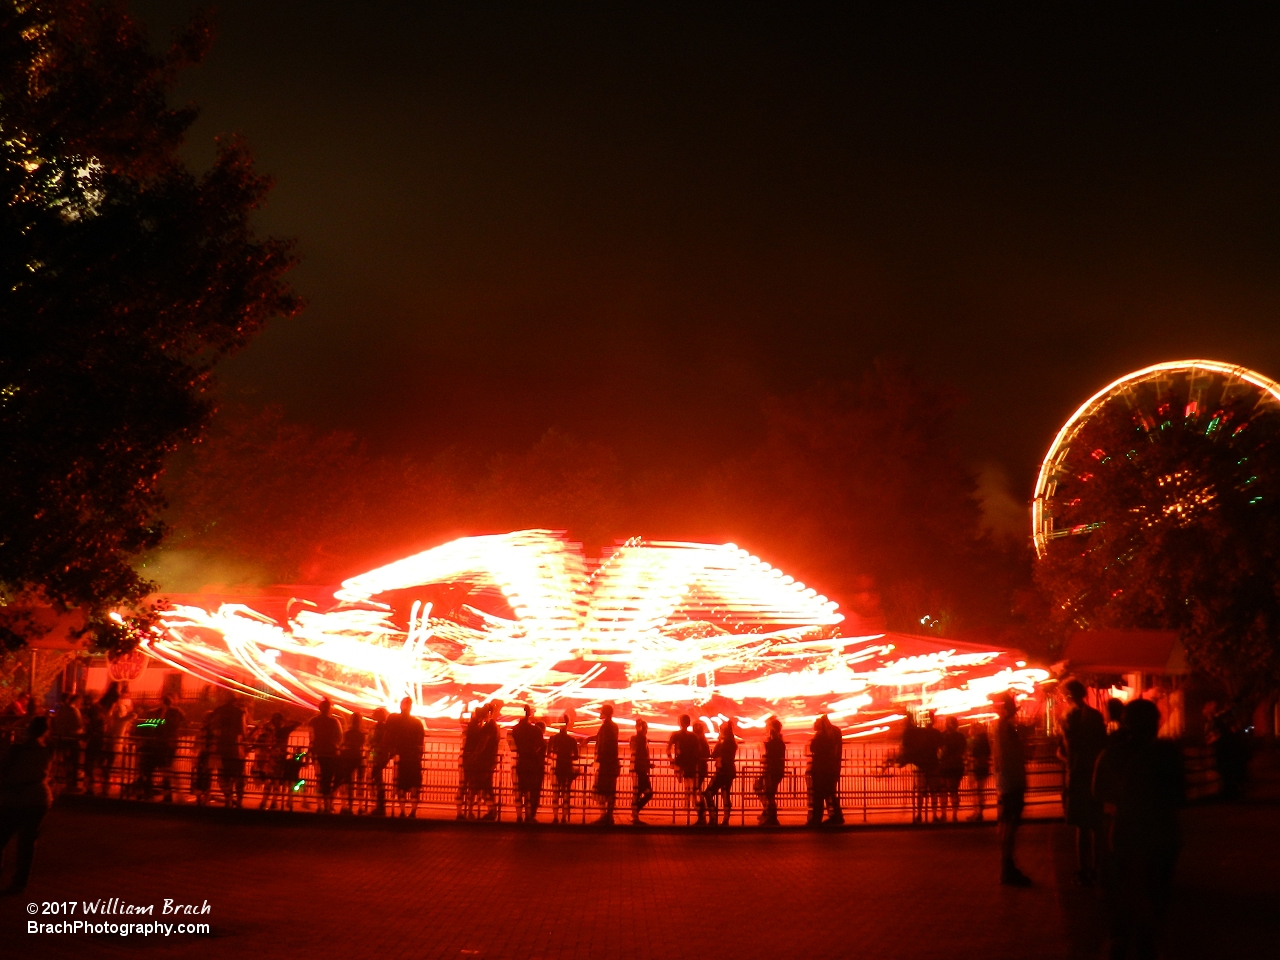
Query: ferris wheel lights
x=1053, y=467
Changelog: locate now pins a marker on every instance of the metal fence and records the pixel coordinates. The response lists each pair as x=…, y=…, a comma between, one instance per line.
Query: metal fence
x=872, y=786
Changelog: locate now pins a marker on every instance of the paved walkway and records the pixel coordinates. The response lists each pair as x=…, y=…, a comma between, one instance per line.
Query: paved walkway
x=321, y=888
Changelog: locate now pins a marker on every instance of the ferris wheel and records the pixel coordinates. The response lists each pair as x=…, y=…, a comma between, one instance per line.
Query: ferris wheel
x=1205, y=401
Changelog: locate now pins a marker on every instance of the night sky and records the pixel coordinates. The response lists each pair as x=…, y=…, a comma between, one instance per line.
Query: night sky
x=634, y=225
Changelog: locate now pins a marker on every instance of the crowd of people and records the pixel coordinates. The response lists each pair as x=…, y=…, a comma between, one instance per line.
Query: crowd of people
x=1121, y=792
x=347, y=761
x=1124, y=786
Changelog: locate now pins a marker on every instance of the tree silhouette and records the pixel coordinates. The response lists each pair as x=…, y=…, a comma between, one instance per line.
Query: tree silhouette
x=125, y=278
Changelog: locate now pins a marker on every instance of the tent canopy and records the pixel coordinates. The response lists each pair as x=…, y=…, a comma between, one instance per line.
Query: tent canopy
x=1126, y=651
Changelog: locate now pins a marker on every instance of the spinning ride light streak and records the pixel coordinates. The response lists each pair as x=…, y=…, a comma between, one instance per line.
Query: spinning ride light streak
x=656, y=627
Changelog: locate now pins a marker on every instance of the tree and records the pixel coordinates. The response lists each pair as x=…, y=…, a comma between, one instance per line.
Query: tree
x=859, y=488
x=1183, y=513
x=125, y=277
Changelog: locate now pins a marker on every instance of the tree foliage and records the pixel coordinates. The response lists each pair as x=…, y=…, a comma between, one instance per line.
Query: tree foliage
x=860, y=485
x=126, y=276
x=1182, y=505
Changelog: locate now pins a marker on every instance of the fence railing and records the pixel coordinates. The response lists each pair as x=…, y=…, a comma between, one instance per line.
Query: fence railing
x=872, y=787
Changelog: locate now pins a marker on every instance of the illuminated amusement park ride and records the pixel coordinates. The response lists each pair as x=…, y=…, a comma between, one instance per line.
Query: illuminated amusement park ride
x=656, y=628
x=1218, y=403
x=661, y=628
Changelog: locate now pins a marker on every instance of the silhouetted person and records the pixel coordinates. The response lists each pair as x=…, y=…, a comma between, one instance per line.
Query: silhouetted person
x=280, y=768
x=1139, y=779
x=1011, y=784
x=701, y=768
x=817, y=754
x=826, y=749
x=564, y=747
x=351, y=760
x=529, y=739
x=97, y=750
x=202, y=776
x=930, y=748
x=607, y=767
x=65, y=730
x=951, y=766
x=119, y=719
x=404, y=736
x=774, y=769
x=908, y=755
x=979, y=766
x=326, y=746
x=1084, y=734
x=1230, y=753
x=146, y=736
x=719, y=791
x=834, y=745
x=25, y=797
x=379, y=757
x=682, y=752
x=487, y=758
x=229, y=728
x=468, y=774
x=640, y=769
x=159, y=737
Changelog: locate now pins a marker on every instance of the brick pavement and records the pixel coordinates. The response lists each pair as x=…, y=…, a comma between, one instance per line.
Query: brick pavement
x=320, y=888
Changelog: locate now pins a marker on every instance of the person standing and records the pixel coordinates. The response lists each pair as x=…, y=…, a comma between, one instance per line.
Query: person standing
x=821, y=774
x=119, y=722
x=273, y=748
x=529, y=740
x=1084, y=734
x=351, y=760
x=66, y=728
x=640, y=770
x=1011, y=785
x=564, y=747
x=682, y=752
x=1139, y=779
x=230, y=728
x=169, y=738
x=775, y=768
x=202, y=776
x=979, y=767
x=607, y=767
x=25, y=798
x=930, y=747
x=469, y=762
x=97, y=754
x=701, y=768
x=721, y=786
x=404, y=737
x=379, y=757
x=951, y=766
x=835, y=761
x=326, y=745
x=487, y=758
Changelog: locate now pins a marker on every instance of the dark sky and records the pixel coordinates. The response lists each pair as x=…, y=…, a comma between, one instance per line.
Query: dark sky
x=632, y=225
